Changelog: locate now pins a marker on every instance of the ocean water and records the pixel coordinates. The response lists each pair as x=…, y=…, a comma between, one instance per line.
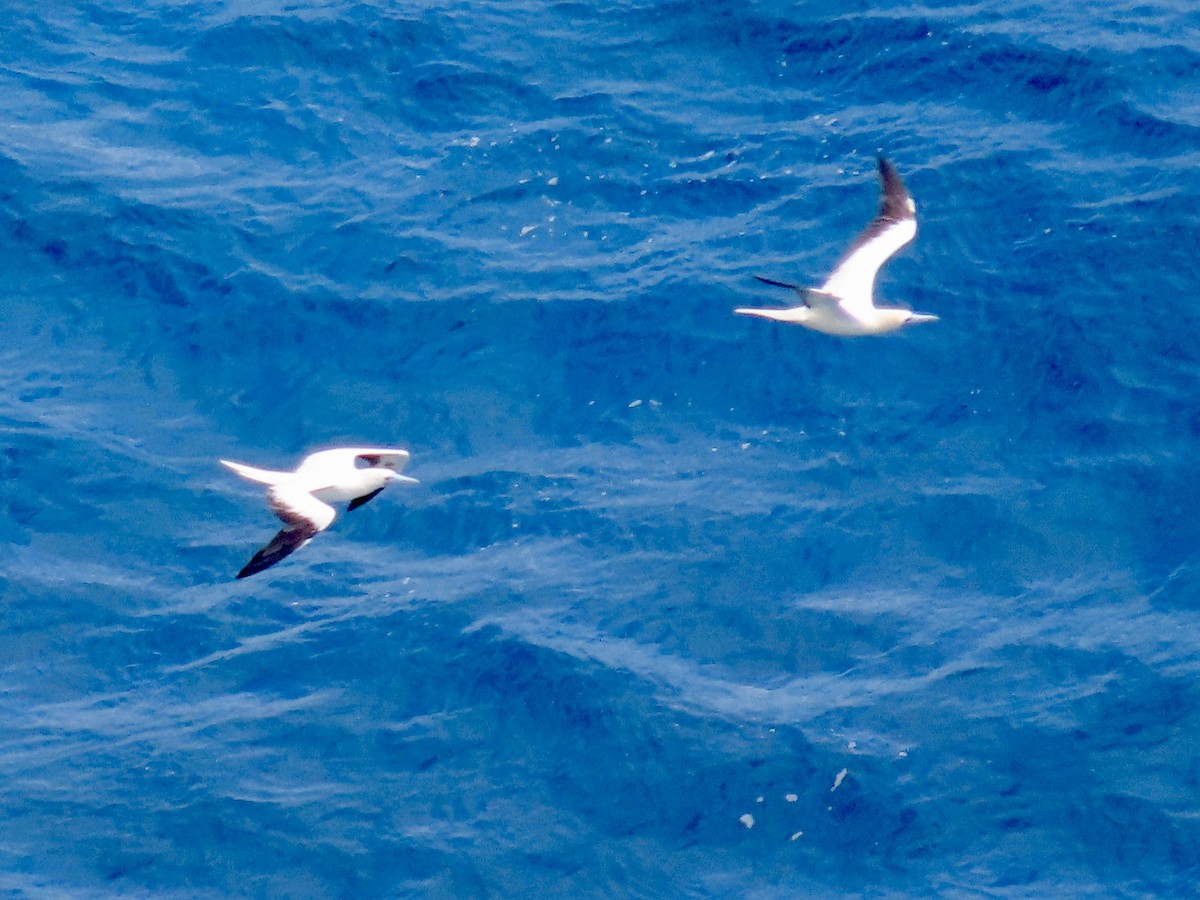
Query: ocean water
x=686, y=604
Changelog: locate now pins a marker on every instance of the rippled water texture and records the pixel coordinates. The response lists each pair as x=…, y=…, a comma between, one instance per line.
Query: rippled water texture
x=686, y=604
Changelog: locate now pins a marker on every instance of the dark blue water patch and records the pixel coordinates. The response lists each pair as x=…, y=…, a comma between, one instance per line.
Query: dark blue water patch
x=989, y=70
x=376, y=61
x=1059, y=78
x=541, y=701
x=1013, y=804
x=363, y=42
x=1161, y=501
x=1151, y=135
x=111, y=255
x=459, y=520
x=765, y=643
x=1177, y=588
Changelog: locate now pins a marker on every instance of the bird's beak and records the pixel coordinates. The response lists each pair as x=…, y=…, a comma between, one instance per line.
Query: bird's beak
x=920, y=317
x=405, y=479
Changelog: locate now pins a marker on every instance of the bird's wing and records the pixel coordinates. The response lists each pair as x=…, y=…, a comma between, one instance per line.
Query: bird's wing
x=853, y=279
x=354, y=457
x=782, y=284
x=395, y=460
x=303, y=516
x=300, y=508
x=288, y=541
x=359, y=501
x=815, y=298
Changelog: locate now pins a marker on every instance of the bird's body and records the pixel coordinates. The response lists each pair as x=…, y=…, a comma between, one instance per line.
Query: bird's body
x=302, y=498
x=844, y=305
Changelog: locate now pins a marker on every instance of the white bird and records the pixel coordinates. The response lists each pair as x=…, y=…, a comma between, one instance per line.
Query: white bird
x=844, y=304
x=302, y=498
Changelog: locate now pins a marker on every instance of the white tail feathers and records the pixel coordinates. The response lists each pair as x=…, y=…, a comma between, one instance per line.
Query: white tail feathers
x=799, y=314
x=262, y=476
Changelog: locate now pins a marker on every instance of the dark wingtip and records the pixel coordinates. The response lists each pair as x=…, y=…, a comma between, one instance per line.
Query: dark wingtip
x=253, y=567
x=359, y=501
x=289, y=539
x=897, y=202
x=774, y=283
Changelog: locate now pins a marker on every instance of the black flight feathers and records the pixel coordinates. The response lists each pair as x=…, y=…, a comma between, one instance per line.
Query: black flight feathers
x=287, y=542
x=895, y=206
x=359, y=501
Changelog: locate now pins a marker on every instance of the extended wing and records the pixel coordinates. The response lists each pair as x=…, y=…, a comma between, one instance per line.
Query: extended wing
x=350, y=457
x=285, y=543
x=359, y=501
x=303, y=516
x=395, y=460
x=853, y=279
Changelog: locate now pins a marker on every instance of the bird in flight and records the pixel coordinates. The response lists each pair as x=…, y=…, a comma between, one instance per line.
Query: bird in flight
x=844, y=305
x=303, y=498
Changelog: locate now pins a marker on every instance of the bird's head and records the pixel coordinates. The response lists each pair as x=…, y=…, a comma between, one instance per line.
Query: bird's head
x=387, y=463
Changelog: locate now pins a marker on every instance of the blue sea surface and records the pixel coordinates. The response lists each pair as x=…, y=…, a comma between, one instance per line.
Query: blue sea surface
x=686, y=604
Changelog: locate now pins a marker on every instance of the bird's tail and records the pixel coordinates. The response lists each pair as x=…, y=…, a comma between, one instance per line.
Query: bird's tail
x=797, y=314
x=262, y=476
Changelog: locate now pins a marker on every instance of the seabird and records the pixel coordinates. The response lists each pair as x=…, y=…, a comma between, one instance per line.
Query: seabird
x=302, y=498
x=844, y=305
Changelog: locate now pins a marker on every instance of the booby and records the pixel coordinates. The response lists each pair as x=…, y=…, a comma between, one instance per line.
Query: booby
x=844, y=305
x=302, y=498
